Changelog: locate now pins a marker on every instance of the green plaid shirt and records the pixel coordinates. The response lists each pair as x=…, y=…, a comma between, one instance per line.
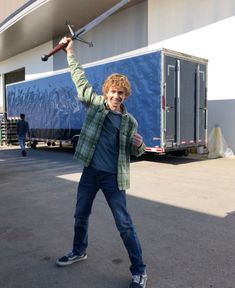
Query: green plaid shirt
x=92, y=126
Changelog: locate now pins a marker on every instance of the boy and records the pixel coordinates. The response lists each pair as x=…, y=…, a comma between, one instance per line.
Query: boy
x=107, y=139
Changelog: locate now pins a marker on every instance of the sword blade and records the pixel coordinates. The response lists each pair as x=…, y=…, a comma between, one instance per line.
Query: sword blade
x=100, y=18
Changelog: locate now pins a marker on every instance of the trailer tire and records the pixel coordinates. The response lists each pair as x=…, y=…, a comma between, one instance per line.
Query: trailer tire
x=33, y=145
x=179, y=153
x=75, y=142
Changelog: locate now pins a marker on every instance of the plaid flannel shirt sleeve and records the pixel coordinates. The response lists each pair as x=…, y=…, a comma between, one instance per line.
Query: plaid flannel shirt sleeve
x=85, y=91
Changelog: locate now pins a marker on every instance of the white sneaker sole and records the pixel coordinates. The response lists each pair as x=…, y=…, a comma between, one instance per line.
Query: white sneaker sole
x=63, y=264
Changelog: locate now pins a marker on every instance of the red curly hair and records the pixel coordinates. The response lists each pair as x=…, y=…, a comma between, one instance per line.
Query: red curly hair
x=119, y=81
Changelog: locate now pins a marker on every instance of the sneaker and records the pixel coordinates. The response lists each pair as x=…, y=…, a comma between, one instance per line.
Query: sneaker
x=23, y=153
x=138, y=281
x=70, y=258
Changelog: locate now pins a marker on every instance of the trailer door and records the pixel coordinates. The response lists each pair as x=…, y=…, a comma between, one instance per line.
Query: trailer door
x=185, y=96
x=201, y=105
x=170, y=101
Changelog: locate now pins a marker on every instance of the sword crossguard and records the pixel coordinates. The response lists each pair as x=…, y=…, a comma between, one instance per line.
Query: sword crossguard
x=76, y=37
x=90, y=44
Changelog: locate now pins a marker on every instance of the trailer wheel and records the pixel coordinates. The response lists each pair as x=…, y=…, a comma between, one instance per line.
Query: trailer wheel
x=75, y=142
x=180, y=153
x=33, y=145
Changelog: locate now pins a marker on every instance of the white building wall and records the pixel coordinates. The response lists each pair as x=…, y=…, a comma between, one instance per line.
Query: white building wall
x=170, y=18
x=31, y=60
x=204, y=29
x=222, y=113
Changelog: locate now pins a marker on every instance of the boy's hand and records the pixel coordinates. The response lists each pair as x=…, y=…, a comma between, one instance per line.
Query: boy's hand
x=137, y=140
x=69, y=48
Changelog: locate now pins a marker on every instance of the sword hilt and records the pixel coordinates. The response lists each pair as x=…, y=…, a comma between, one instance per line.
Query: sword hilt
x=53, y=51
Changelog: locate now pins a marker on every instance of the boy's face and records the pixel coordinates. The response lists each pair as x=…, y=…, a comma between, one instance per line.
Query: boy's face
x=115, y=98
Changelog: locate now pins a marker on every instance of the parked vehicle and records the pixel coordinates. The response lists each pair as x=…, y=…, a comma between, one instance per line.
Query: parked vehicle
x=169, y=100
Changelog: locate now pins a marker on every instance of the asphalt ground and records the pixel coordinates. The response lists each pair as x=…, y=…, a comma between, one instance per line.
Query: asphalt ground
x=183, y=209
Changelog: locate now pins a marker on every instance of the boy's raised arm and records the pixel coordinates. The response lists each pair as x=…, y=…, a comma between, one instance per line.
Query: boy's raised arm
x=83, y=87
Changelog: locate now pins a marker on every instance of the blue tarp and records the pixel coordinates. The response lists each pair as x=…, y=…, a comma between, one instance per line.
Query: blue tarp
x=52, y=103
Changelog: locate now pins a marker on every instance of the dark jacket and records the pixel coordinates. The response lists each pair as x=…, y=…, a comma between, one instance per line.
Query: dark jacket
x=22, y=128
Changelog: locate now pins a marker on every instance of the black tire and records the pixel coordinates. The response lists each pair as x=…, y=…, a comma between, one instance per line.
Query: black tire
x=34, y=145
x=75, y=142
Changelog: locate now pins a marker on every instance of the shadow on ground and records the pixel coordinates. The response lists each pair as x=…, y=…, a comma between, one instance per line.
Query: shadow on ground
x=182, y=248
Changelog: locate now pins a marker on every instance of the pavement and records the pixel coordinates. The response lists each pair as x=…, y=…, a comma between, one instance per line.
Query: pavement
x=183, y=209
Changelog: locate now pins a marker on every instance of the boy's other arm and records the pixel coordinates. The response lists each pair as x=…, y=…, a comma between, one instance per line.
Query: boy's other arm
x=138, y=146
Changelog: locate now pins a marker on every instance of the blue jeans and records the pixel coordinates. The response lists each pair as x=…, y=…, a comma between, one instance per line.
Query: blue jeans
x=91, y=181
x=21, y=140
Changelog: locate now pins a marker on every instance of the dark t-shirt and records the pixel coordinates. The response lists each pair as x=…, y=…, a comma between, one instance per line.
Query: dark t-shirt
x=106, y=153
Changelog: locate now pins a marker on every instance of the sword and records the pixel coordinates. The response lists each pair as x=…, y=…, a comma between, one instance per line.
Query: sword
x=76, y=35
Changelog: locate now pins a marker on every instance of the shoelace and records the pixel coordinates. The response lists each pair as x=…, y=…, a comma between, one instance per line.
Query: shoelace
x=138, y=279
x=70, y=254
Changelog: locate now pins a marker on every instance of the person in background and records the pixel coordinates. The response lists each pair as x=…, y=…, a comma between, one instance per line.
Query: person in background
x=22, y=130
